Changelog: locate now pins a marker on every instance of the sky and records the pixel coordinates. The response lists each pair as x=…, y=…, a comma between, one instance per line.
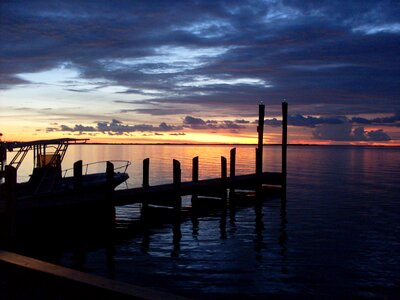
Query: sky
x=195, y=71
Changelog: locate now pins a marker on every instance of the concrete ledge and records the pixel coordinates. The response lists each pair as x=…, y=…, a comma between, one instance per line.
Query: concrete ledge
x=68, y=280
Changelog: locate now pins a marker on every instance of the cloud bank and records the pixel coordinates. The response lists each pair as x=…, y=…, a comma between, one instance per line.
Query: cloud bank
x=224, y=52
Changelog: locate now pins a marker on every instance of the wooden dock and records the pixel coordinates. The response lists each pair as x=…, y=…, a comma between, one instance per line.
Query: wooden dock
x=162, y=193
x=44, y=279
x=147, y=194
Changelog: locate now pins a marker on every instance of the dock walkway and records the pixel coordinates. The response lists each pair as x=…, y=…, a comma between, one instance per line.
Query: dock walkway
x=166, y=191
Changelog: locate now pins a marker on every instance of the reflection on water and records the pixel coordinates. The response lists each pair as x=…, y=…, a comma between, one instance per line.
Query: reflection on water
x=336, y=232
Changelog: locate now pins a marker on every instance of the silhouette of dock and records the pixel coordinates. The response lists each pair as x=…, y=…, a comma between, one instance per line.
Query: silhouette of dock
x=100, y=201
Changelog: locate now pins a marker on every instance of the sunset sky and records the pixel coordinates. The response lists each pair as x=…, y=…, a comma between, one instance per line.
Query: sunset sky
x=195, y=71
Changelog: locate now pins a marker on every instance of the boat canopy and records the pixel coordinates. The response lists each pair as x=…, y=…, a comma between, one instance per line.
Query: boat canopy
x=15, y=145
x=46, y=153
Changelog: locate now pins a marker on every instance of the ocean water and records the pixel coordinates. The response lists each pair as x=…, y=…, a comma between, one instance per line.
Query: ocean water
x=337, y=235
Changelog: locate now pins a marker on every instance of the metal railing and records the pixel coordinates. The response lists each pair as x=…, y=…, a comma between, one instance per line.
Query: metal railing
x=124, y=164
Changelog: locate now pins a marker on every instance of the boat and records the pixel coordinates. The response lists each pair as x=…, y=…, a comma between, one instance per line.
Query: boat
x=49, y=186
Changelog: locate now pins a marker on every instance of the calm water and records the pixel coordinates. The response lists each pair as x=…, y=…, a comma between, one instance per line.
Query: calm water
x=338, y=235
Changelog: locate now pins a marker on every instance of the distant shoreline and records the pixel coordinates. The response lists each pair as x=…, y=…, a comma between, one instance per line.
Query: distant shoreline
x=222, y=144
x=226, y=144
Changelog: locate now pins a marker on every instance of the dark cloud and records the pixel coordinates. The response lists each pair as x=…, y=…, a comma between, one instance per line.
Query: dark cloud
x=158, y=111
x=271, y=122
x=198, y=123
x=312, y=53
x=231, y=125
x=302, y=121
x=242, y=121
x=385, y=120
x=345, y=132
x=116, y=127
x=327, y=58
x=299, y=120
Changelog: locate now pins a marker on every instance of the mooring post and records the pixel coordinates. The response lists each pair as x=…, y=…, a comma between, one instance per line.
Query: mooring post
x=258, y=165
x=109, y=173
x=260, y=130
x=10, y=175
x=223, y=168
x=109, y=207
x=177, y=173
x=78, y=175
x=232, y=171
x=146, y=172
x=195, y=178
x=284, y=141
x=177, y=185
x=3, y=157
x=195, y=169
x=145, y=184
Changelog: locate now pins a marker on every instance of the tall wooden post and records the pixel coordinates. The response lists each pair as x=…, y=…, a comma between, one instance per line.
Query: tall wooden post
x=177, y=184
x=10, y=175
x=195, y=178
x=177, y=207
x=284, y=141
x=109, y=209
x=223, y=168
x=195, y=169
x=109, y=173
x=145, y=184
x=78, y=175
x=177, y=173
x=260, y=130
x=146, y=172
x=3, y=157
x=232, y=166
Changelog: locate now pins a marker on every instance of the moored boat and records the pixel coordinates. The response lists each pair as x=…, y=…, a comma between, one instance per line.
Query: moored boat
x=49, y=186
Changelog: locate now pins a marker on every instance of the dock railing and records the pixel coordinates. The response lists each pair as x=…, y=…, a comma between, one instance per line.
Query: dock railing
x=120, y=166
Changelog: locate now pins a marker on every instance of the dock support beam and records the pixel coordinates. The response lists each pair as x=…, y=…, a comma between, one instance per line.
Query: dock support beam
x=145, y=184
x=109, y=173
x=109, y=207
x=3, y=158
x=232, y=171
x=223, y=169
x=260, y=130
x=78, y=175
x=177, y=185
x=176, y=228
x=284, y=141
x=10, y=175
x=146, y=172
x=195, y=170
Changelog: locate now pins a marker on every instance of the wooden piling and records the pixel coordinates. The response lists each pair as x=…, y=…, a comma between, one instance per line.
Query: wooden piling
x=258, y=165
x=176, y=173
x=3, y=159
x=232, y=171
x=109, y=173
x=109, y=208
x=177, y=185
x=10, y=184
x=146, y=172
x=260, y=130
x=223, y=168
x=78, y=175
x=145, y=184
x=195, y=169
x=284, y=141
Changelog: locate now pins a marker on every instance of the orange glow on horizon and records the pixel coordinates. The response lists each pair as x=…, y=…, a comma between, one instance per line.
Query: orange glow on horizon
x=272, y=135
